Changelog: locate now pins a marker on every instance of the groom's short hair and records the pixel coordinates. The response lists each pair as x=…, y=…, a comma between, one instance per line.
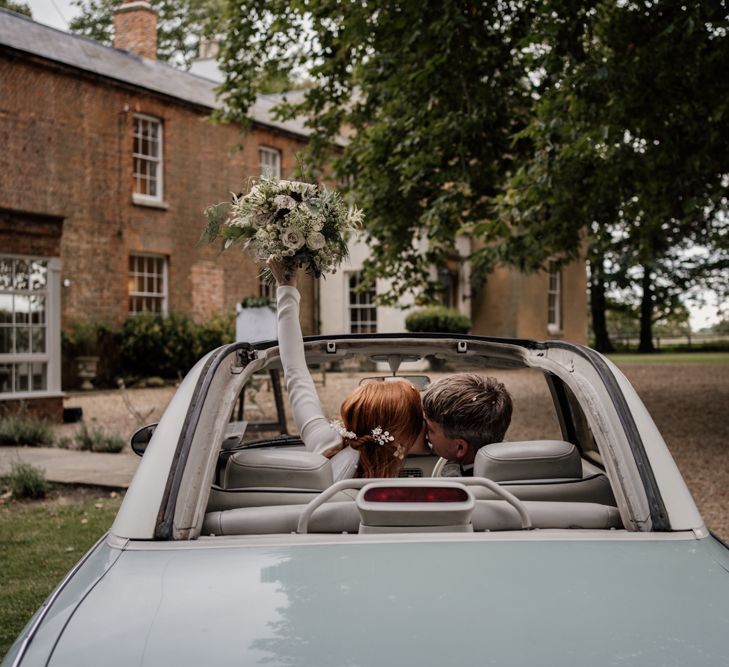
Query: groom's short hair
x=469, y=406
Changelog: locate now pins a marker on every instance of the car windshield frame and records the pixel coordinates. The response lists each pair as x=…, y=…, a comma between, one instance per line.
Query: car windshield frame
x=639, y=499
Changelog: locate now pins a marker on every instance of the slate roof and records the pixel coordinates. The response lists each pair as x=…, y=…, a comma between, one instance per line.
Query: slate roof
x=23, y=34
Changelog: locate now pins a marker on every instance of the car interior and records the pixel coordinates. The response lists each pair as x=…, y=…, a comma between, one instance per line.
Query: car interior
x=540, y=478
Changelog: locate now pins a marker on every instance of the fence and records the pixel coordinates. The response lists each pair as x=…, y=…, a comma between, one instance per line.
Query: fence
x=684, y=340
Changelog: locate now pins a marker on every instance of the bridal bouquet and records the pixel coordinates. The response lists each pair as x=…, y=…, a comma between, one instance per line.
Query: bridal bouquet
x=301, y=224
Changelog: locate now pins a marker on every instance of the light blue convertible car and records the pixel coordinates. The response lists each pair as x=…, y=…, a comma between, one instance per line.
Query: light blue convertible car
x=577, y=545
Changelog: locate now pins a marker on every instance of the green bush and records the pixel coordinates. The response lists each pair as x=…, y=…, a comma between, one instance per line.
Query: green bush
x=158, y=345
x=437, y=319
x=217, y=331
x=26, y=481
x=83, y=338
x=21, y=429
x=257, y=302
x=95, y=440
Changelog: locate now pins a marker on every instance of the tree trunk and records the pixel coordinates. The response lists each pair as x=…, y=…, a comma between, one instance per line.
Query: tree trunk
x=597, y=307
x=646, y=313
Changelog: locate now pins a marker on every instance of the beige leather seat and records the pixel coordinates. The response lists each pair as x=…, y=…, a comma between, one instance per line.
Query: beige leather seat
x=337, y=517
x=279, y=476
x=546, y=470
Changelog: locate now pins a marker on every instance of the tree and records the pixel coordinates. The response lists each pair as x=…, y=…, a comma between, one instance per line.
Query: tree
x=630, y=118
x=181, y=26
x=721, y=327
x=17, y=7
x=429, y=95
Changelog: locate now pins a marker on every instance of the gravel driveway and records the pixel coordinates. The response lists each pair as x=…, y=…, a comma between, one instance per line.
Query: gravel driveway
x=689, y=403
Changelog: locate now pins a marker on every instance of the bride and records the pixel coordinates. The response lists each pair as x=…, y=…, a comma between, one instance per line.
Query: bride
x=381, y=422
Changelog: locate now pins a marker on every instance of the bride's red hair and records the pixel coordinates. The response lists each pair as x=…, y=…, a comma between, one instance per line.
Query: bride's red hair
x=393, y=406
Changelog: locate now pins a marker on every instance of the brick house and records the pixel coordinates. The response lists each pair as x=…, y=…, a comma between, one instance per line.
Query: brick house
x=107, y=164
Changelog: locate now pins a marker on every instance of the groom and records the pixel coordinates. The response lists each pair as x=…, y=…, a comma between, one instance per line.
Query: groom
x=464, y=412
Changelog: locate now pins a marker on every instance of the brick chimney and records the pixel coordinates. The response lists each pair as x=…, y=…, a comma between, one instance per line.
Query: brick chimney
x=135, y=28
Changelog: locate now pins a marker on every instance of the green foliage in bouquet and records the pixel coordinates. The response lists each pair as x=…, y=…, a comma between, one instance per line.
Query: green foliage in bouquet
x=301, y=224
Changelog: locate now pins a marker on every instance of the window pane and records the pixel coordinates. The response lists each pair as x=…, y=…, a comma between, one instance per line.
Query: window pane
x=38, y=275
x=21, y=279
x=21, y=377
x=37, y=306
x=6, y=308
x=38, y=376
x=6, y=273
x=22, y=309
x=6, y=340
x=38, y=340
x=22, y=340
x=6, y=378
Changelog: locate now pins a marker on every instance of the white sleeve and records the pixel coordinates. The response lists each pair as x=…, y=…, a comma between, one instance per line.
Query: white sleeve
x=317, y=434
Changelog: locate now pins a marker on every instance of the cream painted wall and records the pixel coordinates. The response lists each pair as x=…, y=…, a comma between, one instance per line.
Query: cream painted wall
x=333, y=293
x=334, y=318
x=510, y=304
x=515, y=304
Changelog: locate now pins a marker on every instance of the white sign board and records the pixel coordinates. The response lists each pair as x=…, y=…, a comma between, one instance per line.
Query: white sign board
x=255, y=324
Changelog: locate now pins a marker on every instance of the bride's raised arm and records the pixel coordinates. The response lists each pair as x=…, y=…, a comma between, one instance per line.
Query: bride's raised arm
x=315, y=429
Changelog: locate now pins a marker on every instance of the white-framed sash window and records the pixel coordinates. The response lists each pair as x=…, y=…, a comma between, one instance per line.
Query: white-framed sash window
x=269, y=162
x=147, y=154
x=147, y=284
x=29, y=325
x=361, y=305
x=554, y=299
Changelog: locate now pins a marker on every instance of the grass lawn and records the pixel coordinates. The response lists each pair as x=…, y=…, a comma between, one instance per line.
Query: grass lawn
x=672, y=358
x=39, y=542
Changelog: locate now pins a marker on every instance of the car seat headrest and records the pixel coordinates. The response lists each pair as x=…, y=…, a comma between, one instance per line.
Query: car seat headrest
x=287, y=468
x=526, y=460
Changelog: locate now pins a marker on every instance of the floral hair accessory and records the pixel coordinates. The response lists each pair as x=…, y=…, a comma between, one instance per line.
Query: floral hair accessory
x=338, y=426
x=299, y=224
x=380, y=436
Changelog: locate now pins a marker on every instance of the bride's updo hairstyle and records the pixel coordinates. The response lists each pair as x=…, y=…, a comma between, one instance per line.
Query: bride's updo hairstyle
x=383, y=421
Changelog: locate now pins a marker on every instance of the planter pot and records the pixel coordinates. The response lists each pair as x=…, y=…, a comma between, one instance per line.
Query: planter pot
x=86, y=370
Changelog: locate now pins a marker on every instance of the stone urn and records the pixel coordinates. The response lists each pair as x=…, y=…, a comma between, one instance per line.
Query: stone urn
x=86, y=370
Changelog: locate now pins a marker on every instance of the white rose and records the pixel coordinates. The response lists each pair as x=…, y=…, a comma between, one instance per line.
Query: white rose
x=259, y=220
x=293, y=239
x=316, y=240
x=284, y=201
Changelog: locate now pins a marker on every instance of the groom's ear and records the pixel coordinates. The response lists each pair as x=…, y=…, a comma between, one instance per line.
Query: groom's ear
x=462, y=449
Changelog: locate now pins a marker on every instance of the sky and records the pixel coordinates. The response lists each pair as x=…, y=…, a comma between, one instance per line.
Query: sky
x=58, y=13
